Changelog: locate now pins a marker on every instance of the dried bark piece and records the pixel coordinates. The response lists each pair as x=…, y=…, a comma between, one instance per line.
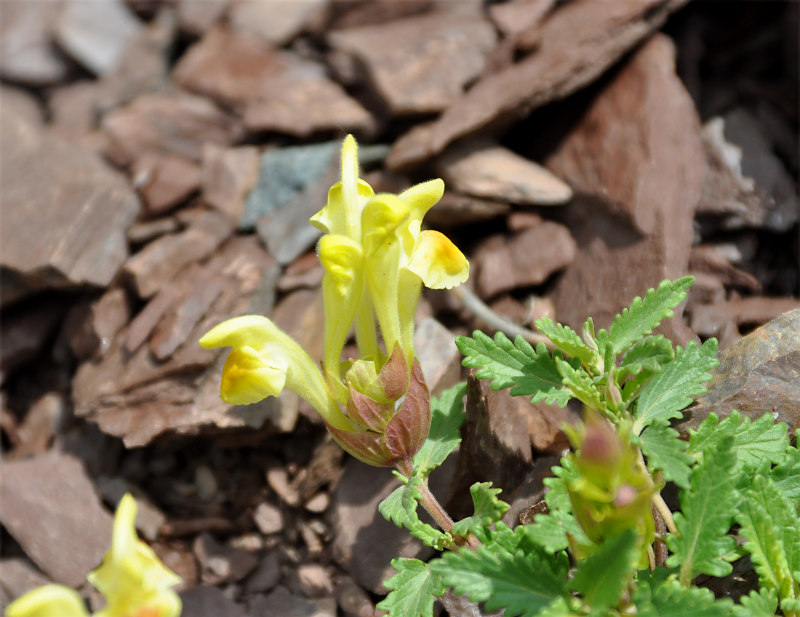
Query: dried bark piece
x=167, y=122
x=228, y=174
x=634, y=219
x=87, y=207
x=49, y=505
x=278, y=90
x=528, y=258
x=154, y=267
x=759, y=374
x=165, y=181
x=599, y=33
x=136, y=397
x=420, y=64
x=483, y=168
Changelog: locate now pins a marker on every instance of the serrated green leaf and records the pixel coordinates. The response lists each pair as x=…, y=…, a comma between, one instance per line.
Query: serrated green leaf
x=648, y=354
x=762, y=603
x=447, y=416
x=670, y=599
x=603, y=576
x=706, y=514
x=770, y=526
x=551, y=530
x=567, y=340
x=517, y=365
x=646, y=313
x=413, y=589
x=666, y=394
x=400, y=508
x=522, y=583
x=665, y=450
x=786, y=475
x=579, y=382
x=488, y=508
x=755, y=442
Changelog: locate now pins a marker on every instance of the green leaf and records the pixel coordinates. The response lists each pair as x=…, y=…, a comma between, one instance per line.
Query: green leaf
x=770, y=526
x=755, y=442
x=665, y=450
x=447, y=416
x=579, y=382
x=762, y=603
x=706, y=514
x=413, y=589
x=786, y=475
x=666, y=394
x=400, y=508
x=517, y=365
x=522, y=583
x=603, y=576
x=551, y=531
x=488, y=508
x=567, y=340
x=670, y=599
x=646, y=313
x=648, y=354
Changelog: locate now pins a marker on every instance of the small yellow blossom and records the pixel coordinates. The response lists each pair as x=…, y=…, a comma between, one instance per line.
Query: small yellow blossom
x=376, y=258
x=131, y=578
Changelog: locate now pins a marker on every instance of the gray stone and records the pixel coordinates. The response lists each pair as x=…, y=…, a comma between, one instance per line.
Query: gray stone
x=27, y=54
x=97, y=33
x=49, y=506
x=266, y=575
x=283, y=174
x=437, y=354
x=282, y=603
x=268, y=518
x=210, y=602
x=276, y=25
x=87, y=207
x=364, y=542
x=757, y=375
x=222, y=563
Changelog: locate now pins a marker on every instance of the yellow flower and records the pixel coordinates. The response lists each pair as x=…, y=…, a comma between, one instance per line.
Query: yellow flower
x=389, y=258
x=131, y=578
x=376, y=258
x=48, y=601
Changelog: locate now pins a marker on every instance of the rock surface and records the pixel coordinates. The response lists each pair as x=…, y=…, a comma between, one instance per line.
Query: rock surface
x=88, y=208
x=419, y=64
x=759, y=374
x=633, y=221
x=49, y=505
x=482, y=168
x=553, y=72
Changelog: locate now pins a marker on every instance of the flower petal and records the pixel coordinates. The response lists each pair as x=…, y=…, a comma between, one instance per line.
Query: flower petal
x=422, y=197
x=48, y=601
x=249, y=377
x=438, y=262
x=251, y=330
x=132, y=578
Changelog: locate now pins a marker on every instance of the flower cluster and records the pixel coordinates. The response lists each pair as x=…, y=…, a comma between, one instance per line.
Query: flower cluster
x=131, y=578
x=376, y=258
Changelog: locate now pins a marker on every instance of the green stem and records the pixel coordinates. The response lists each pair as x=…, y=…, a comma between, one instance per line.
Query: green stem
x=435, y=509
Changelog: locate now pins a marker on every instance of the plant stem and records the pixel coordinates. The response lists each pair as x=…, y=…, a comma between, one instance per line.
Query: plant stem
x=665, y=512
x=435, y=509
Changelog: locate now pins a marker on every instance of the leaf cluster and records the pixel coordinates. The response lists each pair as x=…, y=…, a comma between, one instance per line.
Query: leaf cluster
x=736, y=476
